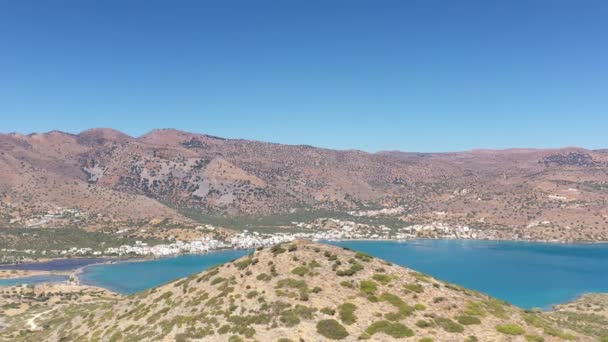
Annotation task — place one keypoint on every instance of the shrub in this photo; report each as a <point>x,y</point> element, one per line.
<point>471,339</point>
<point>363,256</point>
<point>373,299</point>
<point>439,299</point>
<point>368,287</point>
<point>414,288</point>
<point>328,311</point>
<point>347,284</point>
<point>420,307</point>
<point>393,329</point>
<point>535,338</point>
<point>243,263</point>
<point>426,339</point>
<point>263,277</point>
<point>558,333</point>
<point>403,310</point>
<point>424,324</point>
<point>277,249</point>
<point>468,320</point>
<point>474,309</point>
<point>331,329</point>
<point>354,268</point>
<point>510,329</point>
<point>497,308</point>
<point>314,264</point>
<point>217,280</point>
<point>346,312</point>
<point>382,278</point>
<point>449,325</point>
<point>300,270</point>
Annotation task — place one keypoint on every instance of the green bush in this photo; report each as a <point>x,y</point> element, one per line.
<point>420,307</point>
<point>474,309</point>
<point>277,249</point>
<point>403,310</point>
<point>393,329</point>
<point>468,320</point>
<point>243,263</point>
<point>346,312</point>
<point>414,288</point>
<point>331,329</point>
<point>382,278</point>
<point>426,339</point>
<point>354,268</point>
<point>449,325</point>
<point>368,287</point>
<point>536,338</point>
<point>347,284</point>
<point>424,324</point>
<point>510,329</point>
<point>263,277</point>
<point>363,256</point>
<point>300,270</point>
<point>328,311</point>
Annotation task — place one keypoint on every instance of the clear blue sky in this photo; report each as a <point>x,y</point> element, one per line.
<point>422,75</point>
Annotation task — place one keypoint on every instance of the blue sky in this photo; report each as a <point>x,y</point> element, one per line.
<point>424,75</point>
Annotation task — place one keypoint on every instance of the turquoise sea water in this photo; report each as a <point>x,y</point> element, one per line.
<point>526,274</point>
<point>38,279</point>
<point>131,277</point>
<point>523,273</point>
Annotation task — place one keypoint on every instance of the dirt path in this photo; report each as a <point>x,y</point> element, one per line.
<point>31,323</point>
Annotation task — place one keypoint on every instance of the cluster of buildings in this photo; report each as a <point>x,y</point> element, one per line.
<point>438,230</point>
<point>384,211</point>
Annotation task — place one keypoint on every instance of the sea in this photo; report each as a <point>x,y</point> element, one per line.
<point>527,274</point>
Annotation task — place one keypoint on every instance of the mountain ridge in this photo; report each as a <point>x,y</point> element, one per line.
<point>166,172</point>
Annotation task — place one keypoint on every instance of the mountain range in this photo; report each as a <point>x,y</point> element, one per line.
<point>111,177</point>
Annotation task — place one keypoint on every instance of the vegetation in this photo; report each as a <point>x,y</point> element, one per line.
<point>510,329</point>
<point>413,288</point>
<point>346,312</point>
<point>393,329</point>
<point>449,325</point>
<point>403,310</point>
<point>331,329</point>
<point>368,287</point>
<point>468,320</point>
<point>300,270</point>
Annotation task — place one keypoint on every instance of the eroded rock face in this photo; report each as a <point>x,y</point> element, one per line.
<point>301,290</point>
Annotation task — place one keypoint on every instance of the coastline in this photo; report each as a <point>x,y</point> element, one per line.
<point>75,275</point>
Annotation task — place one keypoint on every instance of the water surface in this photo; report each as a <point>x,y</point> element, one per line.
<point>54,265</point>
<point>37,279</point>
<point>524,273</point>
<point>131,277</point>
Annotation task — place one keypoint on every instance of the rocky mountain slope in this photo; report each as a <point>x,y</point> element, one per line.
<point>111,177</point>
<point>301,291</point>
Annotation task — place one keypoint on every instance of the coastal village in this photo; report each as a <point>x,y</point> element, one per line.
<point>325,229</point>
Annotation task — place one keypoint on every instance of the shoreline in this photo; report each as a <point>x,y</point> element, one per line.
<point>141,258</point>
<point>74,276</point>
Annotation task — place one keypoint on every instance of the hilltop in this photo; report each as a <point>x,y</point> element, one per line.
<point>105,179</point>
<point>298,291</point>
